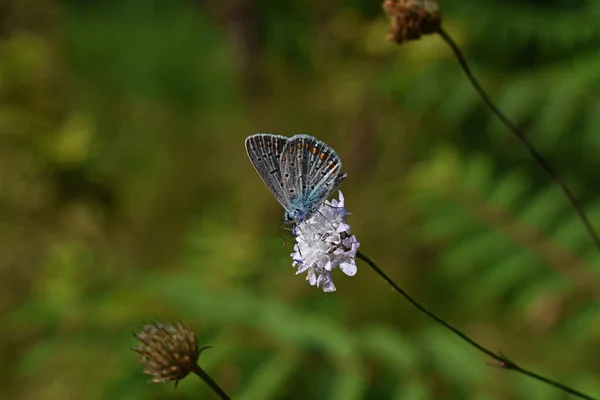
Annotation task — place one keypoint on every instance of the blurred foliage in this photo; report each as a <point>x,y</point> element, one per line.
<point>126,194</point>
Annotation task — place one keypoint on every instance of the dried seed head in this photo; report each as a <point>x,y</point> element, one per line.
<point>169,351</point>
<point>409,19</point>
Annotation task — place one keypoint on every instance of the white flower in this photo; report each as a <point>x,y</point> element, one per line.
<point>324,242</point>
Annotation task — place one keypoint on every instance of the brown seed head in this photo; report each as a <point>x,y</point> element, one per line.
<point>169,351</point>
<point>409,19</point>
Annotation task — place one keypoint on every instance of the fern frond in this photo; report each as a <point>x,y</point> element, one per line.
<point>521,229</point>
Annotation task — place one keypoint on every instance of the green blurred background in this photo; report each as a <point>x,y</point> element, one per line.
<point>126,194</point>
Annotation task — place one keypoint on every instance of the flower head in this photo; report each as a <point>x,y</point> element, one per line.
<point>409,19</point>
<point>169,351</point>
<point>324,242</point>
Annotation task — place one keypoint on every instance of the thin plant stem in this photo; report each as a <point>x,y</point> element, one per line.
<point>210,382</point>
<point>517,132</point>
<point>503,362</point>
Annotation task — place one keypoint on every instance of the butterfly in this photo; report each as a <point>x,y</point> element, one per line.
<point>300,171</point>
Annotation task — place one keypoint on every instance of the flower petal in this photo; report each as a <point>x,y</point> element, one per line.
<point>323,242</point>
<point>349,268</point>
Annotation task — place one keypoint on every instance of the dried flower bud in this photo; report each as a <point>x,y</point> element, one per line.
<point>169,351</point>
<point>409,19</point>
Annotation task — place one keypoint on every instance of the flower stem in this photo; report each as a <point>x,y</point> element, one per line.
<point>503,362</point>
<point>519,134</point>
<point>210,382</point>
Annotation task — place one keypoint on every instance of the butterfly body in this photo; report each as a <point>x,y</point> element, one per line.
<point>300,171</point>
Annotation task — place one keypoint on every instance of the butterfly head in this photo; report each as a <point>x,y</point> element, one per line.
<point>287,217</point>
<point>295,216</point>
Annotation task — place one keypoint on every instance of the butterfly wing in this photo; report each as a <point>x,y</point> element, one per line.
<point>264,151</point>
<point>310,172</point>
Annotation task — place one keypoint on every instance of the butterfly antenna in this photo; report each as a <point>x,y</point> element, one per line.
<point>293,230</point>
<point>283,227</point>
